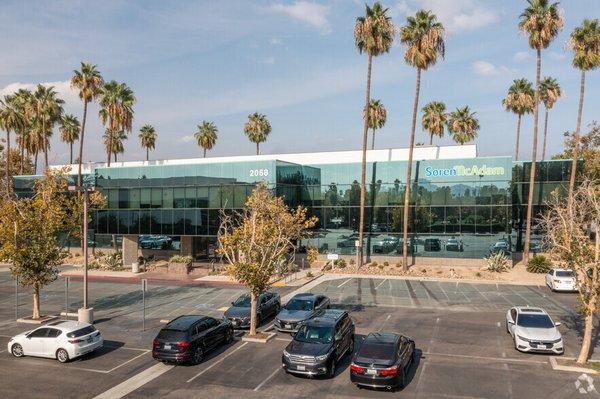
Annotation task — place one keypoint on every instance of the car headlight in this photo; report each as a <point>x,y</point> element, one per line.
<point>322,357</point>
<point>285,353</point>
<point>522,338</point>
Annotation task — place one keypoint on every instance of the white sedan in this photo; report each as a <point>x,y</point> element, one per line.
<point>61,340</point>
<point>561,280</point>
<point>533,330</point>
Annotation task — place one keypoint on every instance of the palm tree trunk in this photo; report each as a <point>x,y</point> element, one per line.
<point>115,154</point>
<point>533,157</point>
<point>71,153</point>
<point>147,154</point>
<point>409,173</point>
<point>45,144</point>
<point>257,149</point>
<point>545,134</point>
<point>22,160</point>
<point>373,140</point>
<point>363,169</point>
<point>8,182</point>
<point>431,138</point>
<point>80,160</point>
<point>518,136</point>
<point>204,153</point>
<point>576,140</point>
<point>35,163</point>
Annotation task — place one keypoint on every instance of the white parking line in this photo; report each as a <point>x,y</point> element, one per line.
<point>128,361</point>
<point>135,382</point>
<point>384,323</point>
<point>283,339</point>
<point>217,362</point>
<point>379,285</point>
<point>339,286</point>
<point>267,379</point>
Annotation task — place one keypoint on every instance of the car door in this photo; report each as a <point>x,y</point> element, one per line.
<point>213,332</point>
<point>403,354</point>
<point>51,342</point>
<point>338,340</point>
<point>34,343</point>
<point>549,276</point>
<point>511,320</point>
<point>262,305</point>
<point>199,335</point>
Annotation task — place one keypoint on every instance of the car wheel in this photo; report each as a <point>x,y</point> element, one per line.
<point>17,350</point>
<point>332,369</point>
<point>198,355</point>
<point>62,355</point>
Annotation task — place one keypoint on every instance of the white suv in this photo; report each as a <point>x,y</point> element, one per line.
<point>61,340</point>
<point>561,280</point>
<point>533,330</point>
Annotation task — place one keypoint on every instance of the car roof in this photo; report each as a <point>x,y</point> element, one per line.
<point>66,325</point>
<point>562,269</point>
<point>182,323</point>
<point>384,338</point>
<point>305,295</point>
<point>531,309</point>
<point>329,316</point>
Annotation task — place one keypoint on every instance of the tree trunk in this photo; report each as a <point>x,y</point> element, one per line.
<point>545,134</point>
<point>115,154</point>
<point>147,154</point>
<point>80,160</point>
<point>22,160</point>
<point>431,138</point>
<point>8,182</point>
<point>409,173</point>
<point>576,140</point>
<point>35,163</point>
<point>363,169</point>
<point>257,149</point>
<point>518,137</point>
<point>45,144</point>
<point>373,140</point>
<point>110,143</point>
<point>533,157</point>
<point>204,152</point>
<point>71,153</point>
<point>36,301</point>
<point>253,300</point>
<point>586,343</point>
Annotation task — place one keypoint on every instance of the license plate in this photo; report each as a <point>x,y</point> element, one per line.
<point>301,368</point>
<point>371,372</point>
<point>288,326</point>
<point>168,347</point>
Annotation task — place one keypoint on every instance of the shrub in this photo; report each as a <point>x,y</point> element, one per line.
<point>341,263</point>
<point>539,264</point>
<point>180,259</point>
<point>423,270</point>
<point>386,263</point>
<point>352,262</point>
<point>93,265</point>
<point>309,275</point>
<point>114,260</point>
<point>478,274</point>
<point>380,267</point>
<point>399,264</point>
<point>497,262</point>
<point>374,263</point>
<point>327,267</point>
<point>311,254</point>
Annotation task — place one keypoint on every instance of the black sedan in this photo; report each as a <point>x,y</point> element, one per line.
<point>268,305</point>
<point>383,361</point>
<point>300,308</point>
<point>187,339</point>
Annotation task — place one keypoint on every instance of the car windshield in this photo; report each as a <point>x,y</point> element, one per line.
<point>320,334</point>
<point>534,321</point>
<point>564,273</point>
<point>242,302</point>
<point>299,304</point>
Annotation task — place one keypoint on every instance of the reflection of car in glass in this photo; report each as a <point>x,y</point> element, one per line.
<point>433,244</point>
<point>412,247</point>
<point>336,223</point>
<point>347,243</point>
<point>454,245</point>
<point>154,242</point>
<point>535,246</point>
<point>500,247</point>
<point>385,245</point>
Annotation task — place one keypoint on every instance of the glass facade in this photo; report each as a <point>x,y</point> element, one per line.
<point>458,208</point>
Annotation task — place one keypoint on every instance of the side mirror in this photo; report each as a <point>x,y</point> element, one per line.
<point>558,323</point>
<point>511,322</point>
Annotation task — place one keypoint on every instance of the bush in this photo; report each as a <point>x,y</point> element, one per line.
<point>327,267</point>
<point>497,262</point>
<point>381,267</point>
<point>539,264</point>
<point>181,259</point>
<point>352,262</point>
<point>311,254</point>
<point>423,270</point>
<point>340,263</point>
<point>477,274</point>
<point>399,264</point>
<point>386,263</point>
<point>114,260</point>
<point>309,275</point>
<point>374,264</point>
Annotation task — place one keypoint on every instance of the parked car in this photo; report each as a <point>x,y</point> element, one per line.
<point>433,244</point>
<point>188,338</point>
<point>320,344</point>
<point>561,280</point>
<point>383,361</point>
<point>347,243</point>
<point>533,330</point>
<point>500,246</point>
<point>385,245</point>
<point>454,245</point>
<point>300,308</point>
<point>238,314</point>
<point>61,340</point>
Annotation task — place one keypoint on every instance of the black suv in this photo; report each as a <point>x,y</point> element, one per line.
<point>319,344</point>
<point>268,305</point>
<point>188,338</point>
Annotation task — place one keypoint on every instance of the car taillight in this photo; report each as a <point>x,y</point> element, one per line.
<point>183,344</point>
<point>357,369</point>
<point>75,341</point>
<point>388,371</point>
<point>155,342</point>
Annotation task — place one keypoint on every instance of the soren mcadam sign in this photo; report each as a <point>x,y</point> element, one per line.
<point>462,170</point>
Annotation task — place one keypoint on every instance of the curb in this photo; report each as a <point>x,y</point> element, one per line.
<point>574,369</point>
<point>44,320</point>
<point>137,279</point>
<point>269,337</point>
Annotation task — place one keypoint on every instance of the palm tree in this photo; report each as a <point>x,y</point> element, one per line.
<point>257,128</point>
<point>373,35</point>
<point>550,92</point>
<point>519,101</point>
<point>206,136</point>
<point>116,110</point>
<point>147,138</point>
<point>463,125</point>
<point>541,21</point>
<point>434,119</point>
<point>423,37</point>
<point>10,120</point>
<point>585,43</point>
<point>47,110</point>
<point>69,132</point>
<point>24,100</point>
<point>89,82</point>
<point>377,117</point>
<point>113,142</point>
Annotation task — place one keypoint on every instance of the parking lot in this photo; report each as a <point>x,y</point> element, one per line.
<point>463,348</point>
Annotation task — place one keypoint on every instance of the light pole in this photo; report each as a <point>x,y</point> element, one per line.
<point>85,314</point>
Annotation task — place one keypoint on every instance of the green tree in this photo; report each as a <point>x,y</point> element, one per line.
<point>377,117</point>
<point>434,119</point>
<point>588,149</point>
<point>550,92</point>
<point>116,111</point>
<point>257,128</point>
<point>114,142</point>
<point>69,132</point>
<point>47,110</point>
<point>24,100</point>
<point>585,43</point>
<point>463,125</point>
<point>15,166</point>
<point>89,82</point>
<point>255,239</point>
<point>206,136</point>
<point>147,138</point>
<point>519,100</point>
<point>423,37</point>
<point>540,21</point>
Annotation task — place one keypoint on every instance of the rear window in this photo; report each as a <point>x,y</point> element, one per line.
<point>81,332</point>
<point>171,335</point>
<point>564,273</point>
<point>377,352</point>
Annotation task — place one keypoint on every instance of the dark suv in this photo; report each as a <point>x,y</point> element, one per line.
<point>188,338</point>
<point>319,344</point>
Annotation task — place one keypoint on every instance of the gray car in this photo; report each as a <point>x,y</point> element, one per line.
<point>300,308</point>
<point>239,313</point>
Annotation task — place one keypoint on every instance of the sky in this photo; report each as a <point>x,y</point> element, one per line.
<point>294,61</point>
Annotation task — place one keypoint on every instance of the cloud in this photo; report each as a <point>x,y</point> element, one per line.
<point>485,68</point>
<point>275,41</point>
<point>63,88</point>
<point>268,60</point>
<point>312,14</point>
<point>187,139</point>
<point>557,56</point>
<point>522,56</point>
